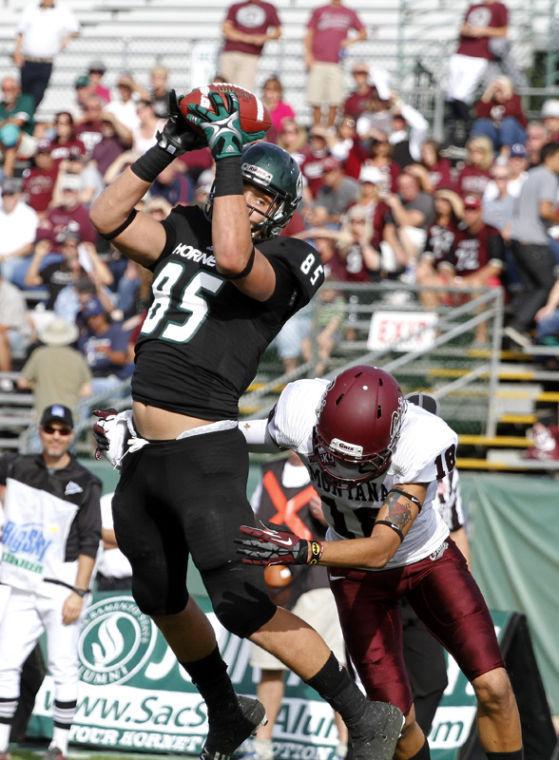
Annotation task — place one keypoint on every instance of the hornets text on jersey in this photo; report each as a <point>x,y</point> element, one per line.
<point>202,338</point>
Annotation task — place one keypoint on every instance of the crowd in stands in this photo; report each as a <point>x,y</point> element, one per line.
<point>382,200</point>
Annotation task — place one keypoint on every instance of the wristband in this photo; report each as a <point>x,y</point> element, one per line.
<point>228,177</point>
<point>80,591</point>
<point>316,553</point>
<point>151,164</point>
<point>126,223</point>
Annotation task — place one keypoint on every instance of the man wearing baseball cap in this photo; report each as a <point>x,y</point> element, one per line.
<point>48,567</point>
<point>477,258</point>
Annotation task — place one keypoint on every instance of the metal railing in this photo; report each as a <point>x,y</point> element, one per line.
<point>472,369</point>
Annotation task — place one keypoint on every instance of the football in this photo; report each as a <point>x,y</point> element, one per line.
<point>277,576</point>
<point>254,114</point>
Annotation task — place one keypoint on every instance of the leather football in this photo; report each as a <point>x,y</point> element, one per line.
<point>254,114</point>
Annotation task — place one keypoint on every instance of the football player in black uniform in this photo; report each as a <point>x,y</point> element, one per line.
<point>223,287</point>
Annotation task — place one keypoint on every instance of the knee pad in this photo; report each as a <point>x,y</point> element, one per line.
<point>239,597</point>
<point>154,601</point>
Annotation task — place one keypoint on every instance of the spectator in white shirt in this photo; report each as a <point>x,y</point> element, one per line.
<point>18,225</point>
<point>124,107</point>
<point>14,325</point>
<point>43,31</point>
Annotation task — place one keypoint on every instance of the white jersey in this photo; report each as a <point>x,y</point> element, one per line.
<point>424,453</point>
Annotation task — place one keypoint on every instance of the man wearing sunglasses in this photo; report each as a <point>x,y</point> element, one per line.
<point>50,537</point>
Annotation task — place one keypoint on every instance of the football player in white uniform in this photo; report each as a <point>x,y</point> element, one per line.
<point>376,461</point>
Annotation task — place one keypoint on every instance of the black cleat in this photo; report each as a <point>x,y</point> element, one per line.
<point>377,733</point>
<point>226,734</point>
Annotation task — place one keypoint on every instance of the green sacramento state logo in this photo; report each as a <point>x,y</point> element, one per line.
<point>115,642</point>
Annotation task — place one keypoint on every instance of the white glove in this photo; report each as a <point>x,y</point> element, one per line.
<point>115,435</point>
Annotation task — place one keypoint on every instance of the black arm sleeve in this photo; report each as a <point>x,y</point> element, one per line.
<point>6,462</point>
<point>88,520</point>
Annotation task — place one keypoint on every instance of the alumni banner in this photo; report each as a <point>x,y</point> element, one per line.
<point>133,695</point>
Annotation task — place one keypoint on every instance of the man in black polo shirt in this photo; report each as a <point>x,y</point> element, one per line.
<point>50,537</point>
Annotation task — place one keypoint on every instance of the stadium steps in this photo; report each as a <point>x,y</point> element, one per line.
<point>501,463</point>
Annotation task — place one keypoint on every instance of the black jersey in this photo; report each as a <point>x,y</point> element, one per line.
<point>202,339</point>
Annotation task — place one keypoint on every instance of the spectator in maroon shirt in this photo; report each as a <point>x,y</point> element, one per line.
<point>70,214</point>
<point>40,179</point>
<point>109,147</point>
<point>476,260</point>
<point>326,40</point>
<point>247,27</point>
<point>371,199</point>
<point>315,155</point>
<point>475,175</point>
<point>89,128</point>
<point>438,168</point>
<point>499,116</point>
<point>374,152</point>
<point>441,238</point>
<point>358,99</point>
<point>484,21</point>
<point>65,139</point>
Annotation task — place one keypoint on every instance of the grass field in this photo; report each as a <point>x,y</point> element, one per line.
<point>36,753</point>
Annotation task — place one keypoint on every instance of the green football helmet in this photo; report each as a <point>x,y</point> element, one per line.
<point>270,168</point>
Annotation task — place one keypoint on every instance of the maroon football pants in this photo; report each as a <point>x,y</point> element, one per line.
<point>445,597</point>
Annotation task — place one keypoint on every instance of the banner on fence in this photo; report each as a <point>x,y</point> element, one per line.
<point>134,696</point>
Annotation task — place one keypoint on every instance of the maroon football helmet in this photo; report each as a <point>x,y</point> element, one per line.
<point>358,425</point>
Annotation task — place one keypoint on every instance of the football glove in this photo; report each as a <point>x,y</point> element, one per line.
<point>177,137</point>
<point>115,435</point>
<point>222,125</point>
<point>264,546</point>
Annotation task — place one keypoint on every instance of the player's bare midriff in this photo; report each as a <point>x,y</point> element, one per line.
<point>157,424</point>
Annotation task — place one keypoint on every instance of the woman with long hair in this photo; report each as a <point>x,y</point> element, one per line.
<point>272,97</point>
<point>65,140</point>
<point>440,240</point>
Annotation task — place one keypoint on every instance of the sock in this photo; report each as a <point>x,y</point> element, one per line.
<point>518,754</point>
<point>423,753</point>
<point>341,750</point>
<point>60,738</point>
<point>335,686</point>
<point>4,736</point>
<point>8,707</point>
<point>63,716</point>
<point>263,749</point>
<point>209,675</point>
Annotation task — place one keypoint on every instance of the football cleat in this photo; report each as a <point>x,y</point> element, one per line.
<point>227,733</point>
<point>377,733</point>
<point>53,753</point>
